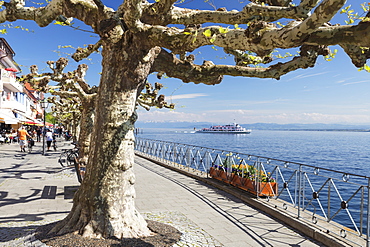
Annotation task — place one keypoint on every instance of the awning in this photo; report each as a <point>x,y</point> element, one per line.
<point>21,116</point>
<point>33,123</point>
<point>11,121</point>
<point>8,116</point>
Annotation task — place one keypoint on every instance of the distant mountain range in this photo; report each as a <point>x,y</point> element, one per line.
<point>256,126</point>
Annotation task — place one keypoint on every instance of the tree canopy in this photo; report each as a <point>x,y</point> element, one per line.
<point>250,34</point>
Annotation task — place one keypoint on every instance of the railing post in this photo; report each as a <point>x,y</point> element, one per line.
<point>299,191</point>
<point>368,214</point>
<point>258,177</point>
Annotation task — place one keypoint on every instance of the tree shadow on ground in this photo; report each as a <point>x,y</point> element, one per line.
<point>26,224</point>
<point>28,217</point>
<point>164,236</point>
<point>16,171</point>
<point>11,233</point>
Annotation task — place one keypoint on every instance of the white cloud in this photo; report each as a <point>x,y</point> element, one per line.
<point>166,115</point>
<point>355,82</point>
<point>250,116</point>
<point>186,96</point>
<point>306,76</point>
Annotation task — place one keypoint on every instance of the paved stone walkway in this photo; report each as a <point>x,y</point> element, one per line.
<point>35,190</point>
<point>223,216</point>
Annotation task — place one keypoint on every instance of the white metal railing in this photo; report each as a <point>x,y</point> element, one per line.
<point>334,200</point>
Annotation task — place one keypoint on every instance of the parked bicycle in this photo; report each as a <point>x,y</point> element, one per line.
<point>68,156</point>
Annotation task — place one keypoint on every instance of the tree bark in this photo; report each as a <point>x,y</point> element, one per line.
<point>104,205</point>
<point>86,128</point>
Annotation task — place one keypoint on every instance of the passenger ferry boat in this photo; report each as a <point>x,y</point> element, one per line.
<point>227,129</point>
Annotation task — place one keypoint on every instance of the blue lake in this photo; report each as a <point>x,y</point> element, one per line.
<point>337,150</point>
<point>343,151</point>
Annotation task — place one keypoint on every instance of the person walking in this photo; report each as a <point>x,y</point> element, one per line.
<point>22,135</point>
<point>38,133</point>
<point>49,138</point>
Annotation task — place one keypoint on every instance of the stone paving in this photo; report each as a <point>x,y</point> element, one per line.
<point>205,215</point>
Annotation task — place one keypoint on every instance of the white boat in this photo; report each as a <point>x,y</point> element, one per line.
<point>227,129</point>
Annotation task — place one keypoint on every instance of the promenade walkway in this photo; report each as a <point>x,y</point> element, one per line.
<point>35,190</point>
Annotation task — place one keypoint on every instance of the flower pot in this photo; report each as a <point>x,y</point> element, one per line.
<point>260,188</point>
<point>242,183</point>
<point>264,188</point>
<point>218,174</point>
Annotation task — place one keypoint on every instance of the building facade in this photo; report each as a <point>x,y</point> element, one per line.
<point>18,102</point>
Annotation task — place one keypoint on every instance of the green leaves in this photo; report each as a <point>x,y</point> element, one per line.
<point>353,17</point>
<point>223,30</point>
<point>11,26</point>
<point>365,67</point>
<point>207,33</point>
<point>331,55</point>
<point>60,23</point>
<point>65,46</point>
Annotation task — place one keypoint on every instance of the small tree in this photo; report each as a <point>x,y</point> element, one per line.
<point>141,37</point>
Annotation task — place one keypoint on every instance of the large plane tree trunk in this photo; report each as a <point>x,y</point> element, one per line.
<point>104,205</point>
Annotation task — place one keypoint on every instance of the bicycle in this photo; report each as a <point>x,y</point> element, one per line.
<point>68,156</point>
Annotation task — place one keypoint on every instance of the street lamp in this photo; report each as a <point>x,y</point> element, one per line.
<point>56,133</point>
<point>44,105</point>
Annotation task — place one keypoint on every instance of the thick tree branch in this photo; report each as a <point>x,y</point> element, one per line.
<point>358,55</point>
<point>358,35</point>
<point>64,94</point>
<point>251,12</point>
<point>82,53</point>
<point>212,74</point>
<point>163,6</point>
<point>322,14</point>
<point>43,16</point>
<point>150,97</point>
<point>71,83</point>
<point>133,14</point>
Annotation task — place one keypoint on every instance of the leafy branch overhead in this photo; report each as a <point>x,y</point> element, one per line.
<point>160,23</point>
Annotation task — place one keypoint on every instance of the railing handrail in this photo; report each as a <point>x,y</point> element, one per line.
<point>261,157</point>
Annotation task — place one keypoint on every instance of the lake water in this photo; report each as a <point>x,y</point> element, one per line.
<point>347,152</point>
<point>338,150</point>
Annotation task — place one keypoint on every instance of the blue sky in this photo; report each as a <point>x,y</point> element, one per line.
<point>332,92</point>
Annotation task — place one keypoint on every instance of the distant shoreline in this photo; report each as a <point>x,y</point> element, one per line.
<point>141,129</point>
<point>261,126</point>
<point>342,130</point>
